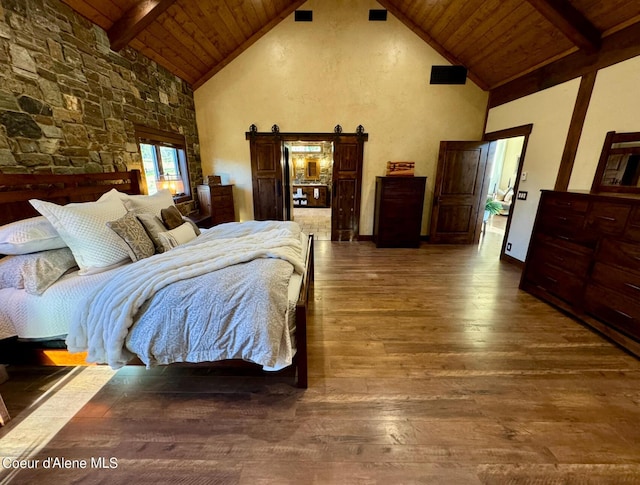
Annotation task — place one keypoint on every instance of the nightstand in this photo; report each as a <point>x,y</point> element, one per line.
<point>216,203</point>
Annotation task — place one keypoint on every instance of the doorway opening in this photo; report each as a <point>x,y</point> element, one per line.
<point>308,176</point>
<point>508,148</point>
<point>464,180</point>
<point>502,178</point>
<point>272,190</point>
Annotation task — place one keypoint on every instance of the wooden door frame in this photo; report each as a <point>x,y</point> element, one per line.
<point>334,136</point>
<point>522,130</point>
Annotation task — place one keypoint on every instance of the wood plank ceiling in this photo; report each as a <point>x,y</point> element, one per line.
<point>499,41</point>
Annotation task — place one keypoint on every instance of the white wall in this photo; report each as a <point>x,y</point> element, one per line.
<point>510,166</point>
<point>614,106</point>
<point>339,69</point>
<point>550,112</point>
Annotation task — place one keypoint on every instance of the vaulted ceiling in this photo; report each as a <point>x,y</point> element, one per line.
<point>498,41</point>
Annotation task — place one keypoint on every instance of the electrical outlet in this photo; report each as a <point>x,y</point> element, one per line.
<point>508,246</point>
<point>522,195</point>
<point>524,176</point>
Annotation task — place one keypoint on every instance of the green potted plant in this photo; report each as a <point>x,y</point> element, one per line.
<point>491,208</point>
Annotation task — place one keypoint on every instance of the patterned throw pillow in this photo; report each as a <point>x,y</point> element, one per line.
<point>154,226</point>
<point>129,228</point>
<point>35,272</point>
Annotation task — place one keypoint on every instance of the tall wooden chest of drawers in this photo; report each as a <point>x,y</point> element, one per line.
<point>217,201</point>
<point>398,211</point>
<point>584,257</point>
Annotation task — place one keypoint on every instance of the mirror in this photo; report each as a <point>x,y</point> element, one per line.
<point>619,166</point>
<point>312,169</point>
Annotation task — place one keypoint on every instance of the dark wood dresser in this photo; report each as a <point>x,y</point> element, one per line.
<point>584,257</point>
<point>398,211</point>
<point>216,201</point>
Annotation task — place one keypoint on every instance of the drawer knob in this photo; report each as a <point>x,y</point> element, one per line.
<point>606,218</point>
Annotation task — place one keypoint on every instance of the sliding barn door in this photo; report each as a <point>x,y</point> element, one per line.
<point>459,192</point>
<point>266,174</point>
<point>347,187</point>
<point>268,186</point>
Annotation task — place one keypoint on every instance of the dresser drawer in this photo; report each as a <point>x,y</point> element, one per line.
<point>613,309</point>
<point>221,190</point>
<point>633,224</point>
<point>619,253</point>
<point>221,201</point>
<point>554,253</point>
<point>555,281</point>
<point>561,243</point>
<point>624,282</point>
<point>402,188</point>
<point>607,217</point>
<point>553,202</point>
<point>567,226</point>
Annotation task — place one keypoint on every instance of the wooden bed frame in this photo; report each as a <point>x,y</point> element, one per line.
<point>15,192</point>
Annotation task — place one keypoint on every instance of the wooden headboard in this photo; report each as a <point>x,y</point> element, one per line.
<point>17,189</point>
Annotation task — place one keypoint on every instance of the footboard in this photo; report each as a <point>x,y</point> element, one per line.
<point>302,308</point>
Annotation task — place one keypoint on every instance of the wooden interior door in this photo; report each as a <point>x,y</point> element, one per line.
<point>266,174</point>
<point>347,187</point>
<point>459,192</point>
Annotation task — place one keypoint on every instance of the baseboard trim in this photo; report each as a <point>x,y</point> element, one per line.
<point>511,260</point>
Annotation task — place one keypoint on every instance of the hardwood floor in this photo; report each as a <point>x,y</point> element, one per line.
<point>426,366</point>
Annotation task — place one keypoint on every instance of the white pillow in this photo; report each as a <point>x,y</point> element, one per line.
<point>29,236</point>
<point>149,204</point>
<point>180,235</point>
<point>114,193</point>
<point>84,228</point>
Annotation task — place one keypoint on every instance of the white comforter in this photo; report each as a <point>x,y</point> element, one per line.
<point>104,320</point>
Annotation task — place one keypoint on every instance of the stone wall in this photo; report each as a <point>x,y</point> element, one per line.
<point>68,103</point>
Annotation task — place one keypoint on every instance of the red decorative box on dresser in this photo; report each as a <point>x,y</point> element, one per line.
<point>584,257</point>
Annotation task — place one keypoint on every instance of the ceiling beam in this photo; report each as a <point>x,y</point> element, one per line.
<point>617,47</point>
<point>397,13</point>
<point>135,20</point>
<point>571,22</point>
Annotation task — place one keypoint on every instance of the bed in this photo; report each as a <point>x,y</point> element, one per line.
<point>236,293</point>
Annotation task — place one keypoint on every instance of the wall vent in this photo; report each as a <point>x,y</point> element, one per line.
<point>304,15</point>
<point>448,75</point>
<point>379,15</point>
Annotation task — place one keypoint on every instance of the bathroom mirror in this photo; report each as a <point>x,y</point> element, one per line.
<point>619,166</point>
<point>312,169</point>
